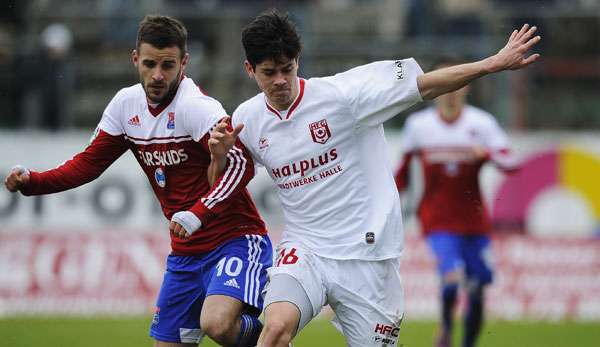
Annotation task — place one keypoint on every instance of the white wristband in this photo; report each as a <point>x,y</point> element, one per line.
<point>188,221</point>
<point>20,169</point>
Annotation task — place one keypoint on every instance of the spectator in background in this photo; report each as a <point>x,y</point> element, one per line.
<point>446,17</point>
<point>43,81</point>
<point>119,24</point>
<point>462,17</point>
<point>7,90</point>
<point>55,76</point>
<point>13,24</point>
<point>453,140</point>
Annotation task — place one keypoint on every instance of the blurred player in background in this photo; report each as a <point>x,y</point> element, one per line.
<point>453,140</point>
<point>220,250</point>
<point>321,141</point>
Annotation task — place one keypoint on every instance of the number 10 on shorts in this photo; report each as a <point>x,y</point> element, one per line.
<point>232,266</point>
<point>286,257</point>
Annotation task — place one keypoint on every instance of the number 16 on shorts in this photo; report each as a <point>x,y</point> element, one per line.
<point>287,256</point>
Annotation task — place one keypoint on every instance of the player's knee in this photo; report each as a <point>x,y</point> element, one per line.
<point>218,327</point>
<point>452,277</point>
<point>475,290</point>
<point>450,291</point>
<point>277,332</point>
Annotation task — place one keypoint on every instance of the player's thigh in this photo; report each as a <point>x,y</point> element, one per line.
<point>281,318</point>
<point>179,302</point>
<point>296,278</point>
<point>287,303</point>
<point>239,271</point>
<point>220,311</point>
<point>447,249</point>
<point>479,265</point>
<point>368,301</point>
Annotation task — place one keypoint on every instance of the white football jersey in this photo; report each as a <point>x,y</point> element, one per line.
<point>129,114</point>
<point>427,129</point>
<point>328,157</point>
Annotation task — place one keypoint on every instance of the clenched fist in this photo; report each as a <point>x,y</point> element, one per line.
<point>17,179</point>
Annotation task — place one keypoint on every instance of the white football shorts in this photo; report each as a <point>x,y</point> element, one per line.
<point>366,296</point>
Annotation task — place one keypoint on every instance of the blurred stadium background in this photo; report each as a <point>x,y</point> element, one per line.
<point>96,254</point>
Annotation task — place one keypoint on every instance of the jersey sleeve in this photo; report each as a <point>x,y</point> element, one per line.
<point>498,146</point>
<point>200,115</point>
<point>110,122</point>
<point>84,167</point>
<point>238,172</point>
<point>245,137</point>
<point>379,91</point>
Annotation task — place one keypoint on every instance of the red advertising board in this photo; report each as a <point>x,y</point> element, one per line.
<point>80,273</point>
<point>116,272</point>
<point>546,278</point>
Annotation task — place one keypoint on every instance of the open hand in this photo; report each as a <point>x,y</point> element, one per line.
<point>513,56</point>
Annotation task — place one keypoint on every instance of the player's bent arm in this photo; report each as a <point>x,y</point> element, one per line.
<point>215,168</point>
<point>233,179</point>
<point>82,168</point>
<point>513,56</point>
<point>222,139</point>
<point>403,174</point>
<point>505,160</point>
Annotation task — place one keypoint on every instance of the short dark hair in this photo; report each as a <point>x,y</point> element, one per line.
<point>162,32</point>
<point>271,35</point>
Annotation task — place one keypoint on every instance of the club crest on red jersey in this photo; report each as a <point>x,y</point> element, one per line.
<point>320,131</point>
<point>160,177</point>
<point>171,121</point>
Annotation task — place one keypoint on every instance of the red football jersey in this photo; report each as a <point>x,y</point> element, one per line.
<point>452,154</point>
<point>170,142</point>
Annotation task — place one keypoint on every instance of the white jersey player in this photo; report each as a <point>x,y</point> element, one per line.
<point>321,140</point>
<point>328,157</point>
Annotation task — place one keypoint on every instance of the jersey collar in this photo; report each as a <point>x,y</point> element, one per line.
<point>453,121</point>
<point>295,104</point>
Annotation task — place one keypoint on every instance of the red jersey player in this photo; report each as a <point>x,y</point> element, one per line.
<point>452,141</point>
<point>220,250</point>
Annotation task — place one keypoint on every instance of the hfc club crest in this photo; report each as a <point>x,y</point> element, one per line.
<point>320,131</point>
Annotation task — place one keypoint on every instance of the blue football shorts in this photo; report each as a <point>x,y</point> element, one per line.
<point>237,269</point>
<point>470,254</point>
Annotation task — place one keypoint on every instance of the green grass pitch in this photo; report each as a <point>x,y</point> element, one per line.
<point>133,331</point>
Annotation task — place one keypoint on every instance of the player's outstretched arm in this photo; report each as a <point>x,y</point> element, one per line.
<point>512,56</point>
<point>17,179</point>
<point>81,169</point>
